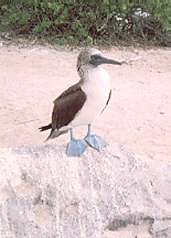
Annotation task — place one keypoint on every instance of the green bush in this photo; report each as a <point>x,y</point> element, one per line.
<point>88,22</point>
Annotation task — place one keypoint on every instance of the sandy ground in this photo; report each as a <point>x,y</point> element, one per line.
<point>139,114</point>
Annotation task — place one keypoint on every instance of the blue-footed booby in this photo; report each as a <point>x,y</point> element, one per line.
<point>81,103</point>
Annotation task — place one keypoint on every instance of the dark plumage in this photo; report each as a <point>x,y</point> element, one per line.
<point>44,128</point>
<point>66,106</point>
<point>110,94</point>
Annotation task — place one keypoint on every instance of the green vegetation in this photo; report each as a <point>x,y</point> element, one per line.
<point>88,22</point>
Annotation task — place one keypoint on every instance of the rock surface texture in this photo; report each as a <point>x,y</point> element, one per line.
<point>113,194</point>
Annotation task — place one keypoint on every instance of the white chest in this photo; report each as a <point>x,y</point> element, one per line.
<point>97,88</point>
<point>97,85</point>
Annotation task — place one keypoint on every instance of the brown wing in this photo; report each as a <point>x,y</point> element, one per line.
<point>71,89</point>
<point>67,105</point>
<point>110,93</point>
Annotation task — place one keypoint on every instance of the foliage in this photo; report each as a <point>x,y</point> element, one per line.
<point>88,21</point>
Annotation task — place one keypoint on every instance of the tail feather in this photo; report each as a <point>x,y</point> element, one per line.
<point>44,128</point>
<point>55,133</point>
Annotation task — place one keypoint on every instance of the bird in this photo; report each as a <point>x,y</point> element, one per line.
<point>83,102</point>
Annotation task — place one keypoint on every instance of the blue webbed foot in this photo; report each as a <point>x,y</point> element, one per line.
<point>76,147</point>
<point>95,142</point>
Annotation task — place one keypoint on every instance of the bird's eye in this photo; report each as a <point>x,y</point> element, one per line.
<point>95,60</point>
<point>95,57</point>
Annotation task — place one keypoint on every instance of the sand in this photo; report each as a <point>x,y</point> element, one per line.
<point>139,114</point>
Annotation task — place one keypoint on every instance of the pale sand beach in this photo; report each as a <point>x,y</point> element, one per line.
<point>139,113</point>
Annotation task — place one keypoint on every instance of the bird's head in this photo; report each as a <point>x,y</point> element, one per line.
<point>93,58</point>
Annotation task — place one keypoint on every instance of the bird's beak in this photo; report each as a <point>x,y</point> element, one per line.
<point>99,59</point>
<point>104,60</point>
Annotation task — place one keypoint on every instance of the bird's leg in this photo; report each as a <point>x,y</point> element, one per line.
<point>94,141</point>
<point>75,147</point>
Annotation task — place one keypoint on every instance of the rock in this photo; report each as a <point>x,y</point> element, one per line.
<point>115,193</point>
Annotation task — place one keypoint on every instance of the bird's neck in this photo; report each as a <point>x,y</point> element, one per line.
<point>88,73</point>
